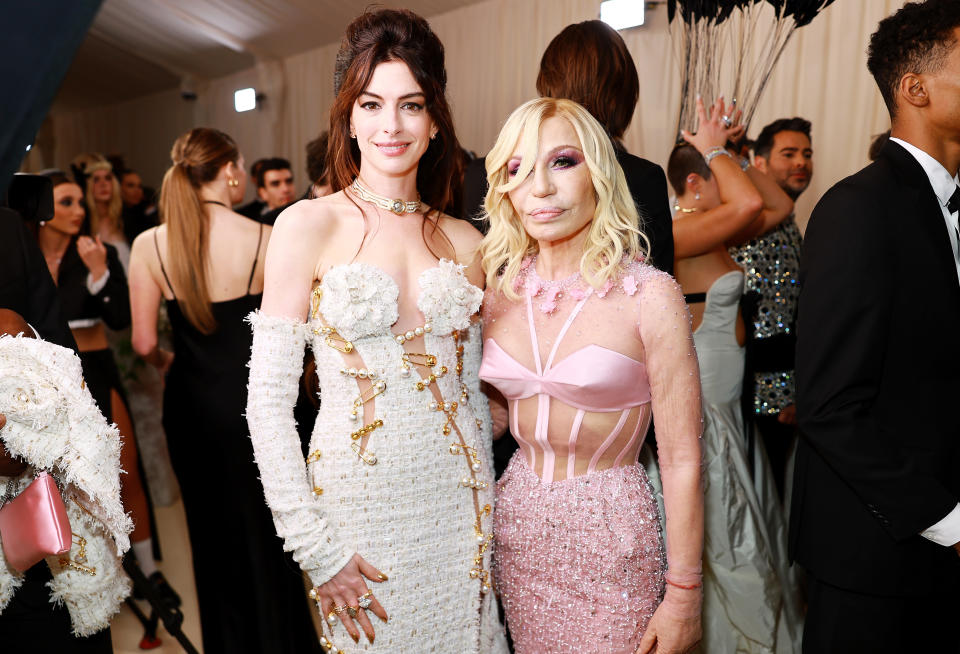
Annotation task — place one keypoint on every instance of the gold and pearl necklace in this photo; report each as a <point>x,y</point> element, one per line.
<point>398,207</point>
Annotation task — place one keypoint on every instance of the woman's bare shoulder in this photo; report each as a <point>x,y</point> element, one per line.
<point>313,219</point>
<point>147,242</point>
<point>464,236</point>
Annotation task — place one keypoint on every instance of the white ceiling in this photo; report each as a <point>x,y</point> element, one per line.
<point>137,47</point>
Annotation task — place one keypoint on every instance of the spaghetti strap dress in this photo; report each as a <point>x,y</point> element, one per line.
<point>250,592</point>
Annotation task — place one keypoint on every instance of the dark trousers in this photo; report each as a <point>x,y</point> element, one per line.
<point>846,622</point>
<point>30,623</point>
<point>777,439</point>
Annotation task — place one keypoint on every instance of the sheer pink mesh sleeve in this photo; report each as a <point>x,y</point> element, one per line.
<point>675,394</point>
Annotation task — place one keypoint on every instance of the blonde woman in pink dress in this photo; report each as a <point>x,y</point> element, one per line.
<point>583,344</point>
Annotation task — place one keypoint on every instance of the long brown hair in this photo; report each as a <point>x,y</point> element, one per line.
<point>395,35</point>
<point>589,63</point>
<point>197,158</point>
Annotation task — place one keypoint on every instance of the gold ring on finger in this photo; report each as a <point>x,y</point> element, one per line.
<point>339,609</point>
<point>352,611</point>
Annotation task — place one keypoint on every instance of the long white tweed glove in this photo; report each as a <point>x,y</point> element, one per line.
<point>276,363</point>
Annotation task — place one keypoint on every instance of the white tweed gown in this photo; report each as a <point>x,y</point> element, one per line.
<point>413,513</point>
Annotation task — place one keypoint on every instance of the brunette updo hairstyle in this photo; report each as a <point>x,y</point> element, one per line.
<point>589,63</point>
<point>197,158</point>
<point>57,177</point>
<point>395,35</point>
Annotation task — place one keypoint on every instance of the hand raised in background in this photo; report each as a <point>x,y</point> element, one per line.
<point>93,253</point>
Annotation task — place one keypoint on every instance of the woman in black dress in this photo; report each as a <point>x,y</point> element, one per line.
<point>207,263</point>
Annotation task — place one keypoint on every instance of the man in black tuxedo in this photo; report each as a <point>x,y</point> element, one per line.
<point>875,517</point>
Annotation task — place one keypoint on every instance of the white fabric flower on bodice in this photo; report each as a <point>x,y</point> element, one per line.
<point>359,300</point>
<point>447,298</point>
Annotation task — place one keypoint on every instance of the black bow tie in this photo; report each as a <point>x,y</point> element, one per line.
<point>953,205</point>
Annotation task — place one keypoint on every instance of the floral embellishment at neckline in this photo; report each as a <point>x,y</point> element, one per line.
<point>359,300</point>
<point>447,298</point>
<point>552,291</point>
<point>533,287</point>
<point>603,290</point>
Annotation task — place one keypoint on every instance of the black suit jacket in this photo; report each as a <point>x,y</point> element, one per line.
<point>111,303</point>
<point>25,283</point>
<point>878,377</point>
<point>648,186</point>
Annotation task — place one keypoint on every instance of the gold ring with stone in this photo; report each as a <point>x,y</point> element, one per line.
<point>339,609</point>
<point>332,618</point>
<point>352,611</point>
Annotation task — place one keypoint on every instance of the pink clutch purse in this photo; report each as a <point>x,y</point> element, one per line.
<point>34,525</point>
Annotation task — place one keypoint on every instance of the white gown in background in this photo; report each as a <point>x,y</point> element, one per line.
<point>750,596</point>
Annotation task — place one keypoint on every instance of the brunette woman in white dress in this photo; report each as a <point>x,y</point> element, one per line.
<point>390,515</point>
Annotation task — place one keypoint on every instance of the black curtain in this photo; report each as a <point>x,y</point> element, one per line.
<point>38,39</point>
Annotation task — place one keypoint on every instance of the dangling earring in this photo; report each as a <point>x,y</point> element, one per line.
<point>234,183</point>
<point>696,196</point>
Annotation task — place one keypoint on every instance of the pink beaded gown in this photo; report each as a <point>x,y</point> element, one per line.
<point>580,559</point>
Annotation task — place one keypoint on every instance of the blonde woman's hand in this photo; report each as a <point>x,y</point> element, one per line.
<point>716,128</point>
<point>675,626</point>
<point>344,591</point>
<point>93,253</point>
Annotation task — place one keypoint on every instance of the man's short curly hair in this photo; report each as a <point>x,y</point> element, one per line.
<point>916,39</point>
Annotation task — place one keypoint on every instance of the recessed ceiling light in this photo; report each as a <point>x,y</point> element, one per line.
<point>245,99</point>
<point>622,14</point>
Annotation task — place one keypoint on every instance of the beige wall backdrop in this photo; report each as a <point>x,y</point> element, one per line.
<point>493,50</point>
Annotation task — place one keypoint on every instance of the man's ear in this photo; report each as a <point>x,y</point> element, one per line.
<point>760,163</point>
<point>262,193</point>
<point>912,90</point>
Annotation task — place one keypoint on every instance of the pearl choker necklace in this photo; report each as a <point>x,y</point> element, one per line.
<point>398,207</point>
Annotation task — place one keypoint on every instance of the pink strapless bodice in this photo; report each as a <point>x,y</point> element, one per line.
<point>593,378</point>
<point>590,379</point>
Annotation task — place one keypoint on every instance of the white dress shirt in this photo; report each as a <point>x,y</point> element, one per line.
<point>946,531</point>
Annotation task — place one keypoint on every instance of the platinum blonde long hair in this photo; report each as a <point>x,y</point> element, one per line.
<point>114,206</point>
<point>614,233</point>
